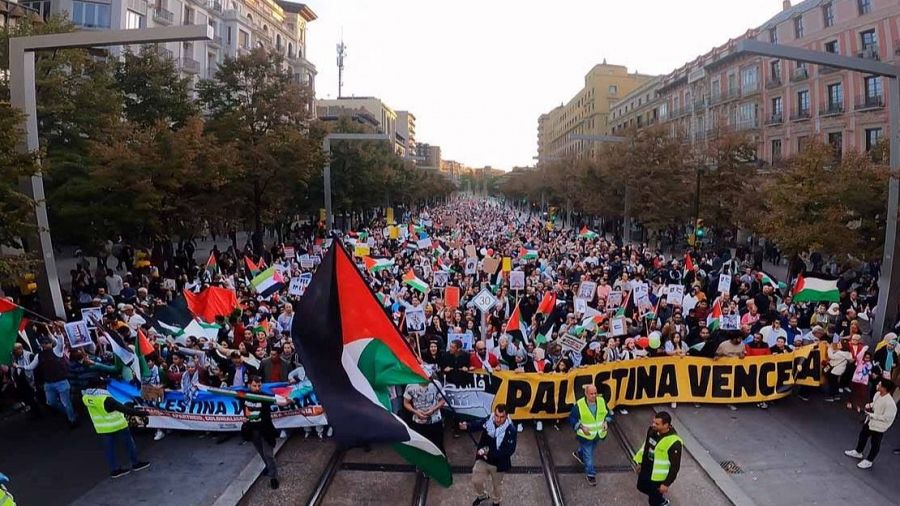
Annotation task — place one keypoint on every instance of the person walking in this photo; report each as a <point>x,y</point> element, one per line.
<point>259,428</point>
<point>880,415</point>
<point>494,455</point>
<point>51,369</point>
<point>659,459</point>
<point>108,418</point>
<point>588,418</point>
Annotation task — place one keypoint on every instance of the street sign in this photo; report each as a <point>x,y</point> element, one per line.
<point>485,300</point>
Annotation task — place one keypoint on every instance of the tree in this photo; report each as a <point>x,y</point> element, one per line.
<point>819,203</point>
<point>152,90</point>
<point>16,208</point>
<point>256,106</point>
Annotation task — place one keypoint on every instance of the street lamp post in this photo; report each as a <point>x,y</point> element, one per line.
<point>326,147</point>
<point>23,97</point>
<point>889,282</point>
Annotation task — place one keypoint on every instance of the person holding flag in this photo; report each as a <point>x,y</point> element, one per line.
<point>493,456</point>
<point>258,427</point>
<point>108,418</point>
<point>50,368</point>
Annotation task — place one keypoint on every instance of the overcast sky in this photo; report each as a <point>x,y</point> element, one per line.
<point>477,74</point>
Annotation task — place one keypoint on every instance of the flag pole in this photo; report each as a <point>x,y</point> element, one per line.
<point>23,308</point>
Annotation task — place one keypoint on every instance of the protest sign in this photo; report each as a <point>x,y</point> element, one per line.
<point>465,337</point>
<point>640,291</point>
<point>586,290</point>
<point>415,320</point>
<point>288,252</point>
<point>89,314</point>
<point>507,264</point>
<point>451,297</point>
<point>517,280</point>
<point>490,265</point>
<point>298,285</point>
<point>674,294</point>
<point>361,250</point>
<point>306,262</point>
<point>440,279</point>
<point>471,267</point>
<point>731,322</point>
<point>471,252</point>
<point>571,343</point>
<point>614,300</point>
<point>169,284</point>
<point>580,305</point>
<point>78,334</point>
<point>724,283</point>
<point>617,326</point>
<point>393,232</point>
<point>424,243</point>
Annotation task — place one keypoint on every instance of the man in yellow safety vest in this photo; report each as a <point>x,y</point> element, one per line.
<point>659,459</point>
<point>108,417</point>
<point>588,418</point>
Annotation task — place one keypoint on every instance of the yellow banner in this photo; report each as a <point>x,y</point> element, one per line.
<point>361,250</point>
<point>507,264</point>
<point>661,381</point>
<point>389,215</point>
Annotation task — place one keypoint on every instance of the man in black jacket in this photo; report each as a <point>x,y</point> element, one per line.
<point>494,454</point>
<point>659,460</point>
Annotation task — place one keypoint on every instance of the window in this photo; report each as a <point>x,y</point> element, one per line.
<point>613,89</point>
<point>90,14</point>
<point>803,102</point>
<point>802,142</point>
<point>869,40</point>
<point>188,16</point>
<point>828,15</point>
<point>832,47</point>
<point>835,97</point>
<point>873,135</point>
<point>228,36</point>
<point>776,149</point>
<point>865,6</point>
<point>775,70</point>
<point>42,7</point>
<point>798,27</point>
<point>244,39</point>
<point>773,36</point>
<point>777,108</point>
<point>749,79</point>
<point>747,115</point>
<point>874,90</point>
<point>836,141</point>
<point>134,20</point>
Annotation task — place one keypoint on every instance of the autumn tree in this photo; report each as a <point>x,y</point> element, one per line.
<point>152,90</point>
<point>16,208</point>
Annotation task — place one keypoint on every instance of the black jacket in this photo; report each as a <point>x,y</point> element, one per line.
<point>500,457</point>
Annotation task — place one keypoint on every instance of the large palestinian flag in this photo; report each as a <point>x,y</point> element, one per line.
<point>816,289</point>
<point>353,354</point>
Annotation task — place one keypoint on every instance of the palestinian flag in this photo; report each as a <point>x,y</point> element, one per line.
<point>11,317</point>
<point>528,254</point>
<point>414,282</point>
<point>443,265</point>
<point>714,319</point>
<point>268,282</point>
<point>586,233</point>
<point>374,265</point>
<point>171,318</point>
<point>212,265</point>
<point>122,351</point>
<point>544,334</point>
<point>252,267</point>
<point>411,246</point>
<point>354,354</point>
<point>548,304</point>
<point>765,279</point>
<point>516,325</point>
<point>688,263</point>
<point>816,289</point>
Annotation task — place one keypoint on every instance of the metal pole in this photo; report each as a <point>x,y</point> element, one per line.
<point>889,281</point>
<point>22,97</point>
<point>329,218</point>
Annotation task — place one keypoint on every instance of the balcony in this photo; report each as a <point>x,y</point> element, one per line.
<point>825,69</point>
<point>747,124</point>
<point>215,41</point>
<point>775,119</point>
<point>799,74</point>
<point>773,82</point>
<point>164,53</point>
<point>701,103</point>
<point>834,109</point>
<point>869,103</point>
<point>750,89</point>
<point>163,16</point>
<point>214,5</point>
<point>801,115</point>
<point>869,53</point>
<point>189,65</point>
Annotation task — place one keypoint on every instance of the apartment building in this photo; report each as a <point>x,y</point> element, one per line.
<point>428,156</point>
<point>12,13</point>
<point>383,117</point>
<point>238,27</point>
<point>586,113</point>
<point>782,105</point>
<point>406,131</point>
<point>638,109</point>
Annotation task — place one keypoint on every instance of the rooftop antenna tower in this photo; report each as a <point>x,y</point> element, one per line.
<point>341,53</point>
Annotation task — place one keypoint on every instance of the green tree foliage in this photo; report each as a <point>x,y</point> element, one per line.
<point>152,91</point>
<point>256,106</point>
<point>16,208</point>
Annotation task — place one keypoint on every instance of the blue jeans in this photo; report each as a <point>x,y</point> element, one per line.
<point>109,447</point>
<point>586,450</point>
<point>58,397</point>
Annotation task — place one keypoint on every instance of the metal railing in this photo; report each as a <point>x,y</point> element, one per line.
<point>747,124</point>
<point>163,16</point>
<point>799,74</point>
<point>164,53</point>
<point>750,89</point>
<point>869,103</point>
<point>801,115</point>
<point>775,119</point>
<point>773,82</point>
<point>832,109</point>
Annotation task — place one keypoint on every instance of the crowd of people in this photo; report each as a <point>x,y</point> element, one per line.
<point>465,239</point>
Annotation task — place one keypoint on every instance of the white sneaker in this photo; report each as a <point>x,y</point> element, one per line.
<point>520,428</point>
<point>763,405</point>
<point>159,435</point>
<point>864,464</point>
<point>282,435</point>
<point>623,411</point>
<point>674,405</point>
<point>732,407</point>
<point>539,426</point>
<point>330,432</point>
<point>855,454</point>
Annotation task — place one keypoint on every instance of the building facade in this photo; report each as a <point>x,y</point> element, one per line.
<point>782,105</point>
<point>428,156</point>
<point>384,117</point>
<point>406,131</point>
<point>638,109</point>
<point>238,27</point>
<point>12,13</point>
<point>586,113</point>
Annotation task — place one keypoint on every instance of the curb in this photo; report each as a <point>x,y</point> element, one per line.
<point>712,468</point>
<point>242,483</point>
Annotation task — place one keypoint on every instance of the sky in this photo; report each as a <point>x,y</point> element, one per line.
<point>477,74</point>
